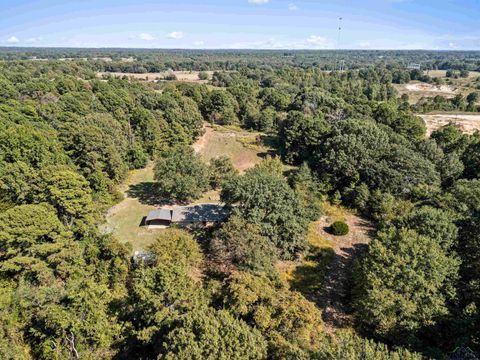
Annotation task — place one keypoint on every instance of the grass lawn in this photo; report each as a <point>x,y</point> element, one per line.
<point>307,274</point>
<point>124,218</point>
<point>239,145</point>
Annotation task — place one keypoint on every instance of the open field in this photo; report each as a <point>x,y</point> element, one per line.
<point>239,145</point>
<point>469,123</point>
<point>185,76</point>
<point>443,74</point>
<point>124,219</point>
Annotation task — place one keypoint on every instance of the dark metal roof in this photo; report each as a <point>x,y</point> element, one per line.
<point>190,214</point>
<point>200,213</point>
<point>159,214</point>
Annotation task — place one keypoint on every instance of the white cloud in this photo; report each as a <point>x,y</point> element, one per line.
<point>13,40</point>
<point>452,45</point>
<point>33,40</point>
<point>364,45</point>
<point>199,43</point>
<point>292,7</point>
<point>312,42</point>
<point>147,37</point>
<point>258,2</point>
<point>175,35</point>
<point>316,40</point>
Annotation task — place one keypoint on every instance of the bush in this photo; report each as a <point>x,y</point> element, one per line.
<point>203,75</point>
<point>339,228</point>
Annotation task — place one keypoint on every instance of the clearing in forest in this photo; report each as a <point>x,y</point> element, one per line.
<point>184,76</point>
<point>468,123</point>
<point>124,219</point>
<point>322,275</point>
<point>418,90</point>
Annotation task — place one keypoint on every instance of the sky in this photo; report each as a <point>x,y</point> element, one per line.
<point>243,24</point>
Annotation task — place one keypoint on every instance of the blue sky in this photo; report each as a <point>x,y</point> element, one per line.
<point>254,24</point>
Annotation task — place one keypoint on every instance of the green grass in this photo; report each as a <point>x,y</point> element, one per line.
<point>307,276</point>
<point>124,218</point>
<point>240,146</point>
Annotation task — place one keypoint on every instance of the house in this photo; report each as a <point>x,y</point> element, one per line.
<point>203,214</point>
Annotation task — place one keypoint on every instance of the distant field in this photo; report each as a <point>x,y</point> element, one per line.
<point>185,76</point>
<point>469,123</point>
<point>443,74</point>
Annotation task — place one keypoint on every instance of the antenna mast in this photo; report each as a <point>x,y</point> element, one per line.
<point>338,45</point>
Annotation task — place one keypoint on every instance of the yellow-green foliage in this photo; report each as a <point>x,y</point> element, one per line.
<point>307,277</point>
<point>281,315</point>
<point>176,246</point>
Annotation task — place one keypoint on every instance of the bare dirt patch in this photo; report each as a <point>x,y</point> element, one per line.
<point>448,89</point>
<point>417,90</point>
<point>468,123</point>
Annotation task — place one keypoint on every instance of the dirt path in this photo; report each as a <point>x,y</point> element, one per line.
<point>332,295</point>
<point>199,145</point>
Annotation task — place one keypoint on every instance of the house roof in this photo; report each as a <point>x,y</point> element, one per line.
<point>159,214</point>
<point>190,214</point>
<point>199,213</point>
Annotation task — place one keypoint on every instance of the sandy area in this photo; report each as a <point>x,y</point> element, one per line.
<point>468,123</point>
<point>430,88</point>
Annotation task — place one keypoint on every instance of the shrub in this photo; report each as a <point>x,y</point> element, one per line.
<point>203,75</point>
<point>339,228</point>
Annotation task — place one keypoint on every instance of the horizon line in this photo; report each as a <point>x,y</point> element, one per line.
<point>226,49</point>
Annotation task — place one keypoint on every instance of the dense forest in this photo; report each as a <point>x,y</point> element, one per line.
<point>69,138</point>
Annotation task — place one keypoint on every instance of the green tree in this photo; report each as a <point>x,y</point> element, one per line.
<point>180,174</point>
<point>435,223</point>
<point>210,334</point>
<point>203,75</point>
<point>221,169</point>
<point>38,243</point>
<point>290,323</point>
<point>175,246</point>
<point>265,199</point>
<point>220,107</point>
<point>403,285</point>
<point>308,190</point>
<point>299,135</point>
<point>68,192</point>
<point>472,99</point>
<point>240,245</point>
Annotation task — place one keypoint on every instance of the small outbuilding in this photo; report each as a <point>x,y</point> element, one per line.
<point>159,218</point>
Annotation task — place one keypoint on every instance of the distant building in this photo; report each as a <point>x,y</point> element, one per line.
<point>413,66</point>
<point>185,215</point>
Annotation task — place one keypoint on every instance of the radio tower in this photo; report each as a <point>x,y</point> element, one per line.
<point>340,63</point>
